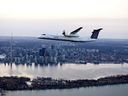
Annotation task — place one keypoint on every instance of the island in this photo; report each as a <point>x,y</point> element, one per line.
<point>25,83</point>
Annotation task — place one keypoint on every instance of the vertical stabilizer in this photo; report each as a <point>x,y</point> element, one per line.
<point>95,33</point>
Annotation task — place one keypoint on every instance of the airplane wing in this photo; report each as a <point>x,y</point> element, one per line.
<point>77,30</point>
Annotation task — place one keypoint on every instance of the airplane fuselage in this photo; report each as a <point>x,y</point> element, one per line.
<point>72,37</point>
<point>65,38</point>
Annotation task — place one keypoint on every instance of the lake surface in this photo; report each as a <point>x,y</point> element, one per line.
<point>115,90</point>
<point>68,71</point>
<point>65,71</point>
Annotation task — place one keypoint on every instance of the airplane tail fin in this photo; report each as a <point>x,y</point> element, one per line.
<point>95,33</point>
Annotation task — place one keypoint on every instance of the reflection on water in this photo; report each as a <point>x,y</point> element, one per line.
<point>65,71</point>
<point>115,90</point>
<point>2,93</point>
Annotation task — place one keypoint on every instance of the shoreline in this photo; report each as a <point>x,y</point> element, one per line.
<point>41,83</point>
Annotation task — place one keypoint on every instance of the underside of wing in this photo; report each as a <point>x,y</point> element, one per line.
<point>77,30</point>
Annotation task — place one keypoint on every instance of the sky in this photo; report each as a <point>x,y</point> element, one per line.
<point>33,17</point>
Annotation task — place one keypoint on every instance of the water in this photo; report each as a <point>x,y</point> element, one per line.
<point>65,71</point>
<point>115,90</point>
<point>68,71</point>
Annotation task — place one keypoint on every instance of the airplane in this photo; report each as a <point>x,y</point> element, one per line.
<point>73,33</point>
<point>72,37</point>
